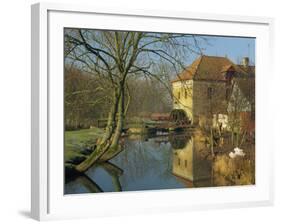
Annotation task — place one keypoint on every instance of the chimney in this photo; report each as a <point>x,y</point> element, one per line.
<point>245,61</point>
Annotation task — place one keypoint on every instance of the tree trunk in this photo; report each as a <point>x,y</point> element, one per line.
<point>115,147</point>
<point>212,142</point>
<point>237,137</point>
<point>120,121</point>
<point>111,121</point>
<point>232,136</point>
<point>243,138</point>
<point>111,138</point>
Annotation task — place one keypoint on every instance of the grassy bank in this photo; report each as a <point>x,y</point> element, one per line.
<point>76,141</point>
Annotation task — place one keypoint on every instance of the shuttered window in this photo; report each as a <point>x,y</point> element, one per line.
<point>210,92</point>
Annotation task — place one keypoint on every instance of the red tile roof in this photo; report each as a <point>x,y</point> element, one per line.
<point>211,68</point>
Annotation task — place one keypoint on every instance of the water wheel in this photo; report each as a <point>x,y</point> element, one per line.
<point>179,117</point>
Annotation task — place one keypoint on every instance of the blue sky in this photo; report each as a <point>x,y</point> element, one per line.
<point>235,48</point>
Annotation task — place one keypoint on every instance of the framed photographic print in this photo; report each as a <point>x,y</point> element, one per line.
<point>148,111</point>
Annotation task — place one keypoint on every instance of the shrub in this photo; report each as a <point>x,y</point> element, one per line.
<point>238,170</point>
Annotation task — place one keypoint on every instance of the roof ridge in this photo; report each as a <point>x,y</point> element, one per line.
<point>214,56</point>
<point>237,67</point>
<point>199,63</point>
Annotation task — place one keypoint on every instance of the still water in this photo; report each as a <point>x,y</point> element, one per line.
<point>146,163</point>
<point>165,162</point>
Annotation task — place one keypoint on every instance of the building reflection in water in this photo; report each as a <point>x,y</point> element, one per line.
<point>190,163</point>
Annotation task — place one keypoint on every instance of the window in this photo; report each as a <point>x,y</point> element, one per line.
<point>210,92</point>
<point>185,163</point>
<point>185,94</point>
<point>179,95</point>
<point>179,161</point>
<point>227,93</point>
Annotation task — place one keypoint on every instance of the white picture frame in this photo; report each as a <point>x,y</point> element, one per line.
<point>48,200</point>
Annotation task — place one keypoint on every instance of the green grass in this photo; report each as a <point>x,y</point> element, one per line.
<point>75,141</point>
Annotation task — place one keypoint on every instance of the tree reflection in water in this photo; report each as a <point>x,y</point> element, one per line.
<point>86,184</point>
<point>166,162</point>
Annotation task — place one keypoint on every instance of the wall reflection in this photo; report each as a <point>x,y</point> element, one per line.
<point>190,163</point>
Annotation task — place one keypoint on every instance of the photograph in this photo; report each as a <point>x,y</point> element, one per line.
<point>154,111</point>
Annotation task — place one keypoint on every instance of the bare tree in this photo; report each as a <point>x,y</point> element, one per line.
<point>115,56</point>
<point>240,101</point>
<point>84,99</point>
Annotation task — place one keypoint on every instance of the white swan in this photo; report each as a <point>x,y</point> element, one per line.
<point>237,152</point>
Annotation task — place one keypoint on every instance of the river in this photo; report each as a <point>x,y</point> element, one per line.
<point>152,163</point>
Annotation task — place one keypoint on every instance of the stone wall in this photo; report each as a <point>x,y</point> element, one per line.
<point>183,97</point>
<point>209,98</point>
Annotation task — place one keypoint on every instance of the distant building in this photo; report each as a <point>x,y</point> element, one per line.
<point>205,90</point>
<point>160,116</point>
<point>241,106</point>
